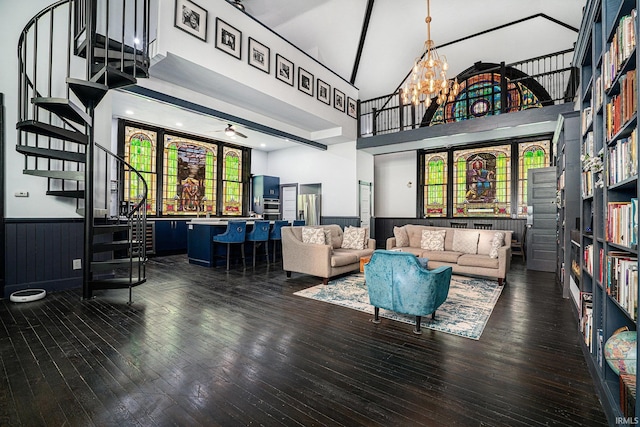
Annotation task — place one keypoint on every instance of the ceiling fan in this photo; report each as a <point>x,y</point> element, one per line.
<point>231,131</point>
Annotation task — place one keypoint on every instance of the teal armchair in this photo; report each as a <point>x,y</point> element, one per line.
<point>398,282</point>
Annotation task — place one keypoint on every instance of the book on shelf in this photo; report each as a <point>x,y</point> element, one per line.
<point>621,223</point>
<point>622,107</point>
<point>587,118</point>
<point>623,159</point>
<point>587,260</point>
<point>620,48</point>
<point>621,280</point>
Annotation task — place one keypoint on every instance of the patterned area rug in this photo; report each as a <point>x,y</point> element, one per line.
<point>465,312</point>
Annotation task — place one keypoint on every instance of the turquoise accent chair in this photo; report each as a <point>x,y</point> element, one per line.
<point>259,234</point>
<point>398,282</point>
<point>235,234</point>
<point>276,234</point>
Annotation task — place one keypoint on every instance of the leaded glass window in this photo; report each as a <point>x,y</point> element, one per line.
<point>482,182</point>
<point>189,176</point>
<point>140,152</point>
<point>481,95</point>
<point>435,185</point>
<point>532,155</point>
<point>232,181</point>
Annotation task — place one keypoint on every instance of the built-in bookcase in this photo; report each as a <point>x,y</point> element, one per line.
<point>606,54</point>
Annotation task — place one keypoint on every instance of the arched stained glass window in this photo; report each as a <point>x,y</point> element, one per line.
<point>232,181</point>
<point>481,94</point>
<point>482,182</point>
<point>189,176</point>
<point>532,155</point>
<point>140,153</point>
<point>435,188</point>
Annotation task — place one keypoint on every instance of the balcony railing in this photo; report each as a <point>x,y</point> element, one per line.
<point>553,72</point>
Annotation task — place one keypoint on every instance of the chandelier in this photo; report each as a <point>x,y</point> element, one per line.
<point>428,78</point>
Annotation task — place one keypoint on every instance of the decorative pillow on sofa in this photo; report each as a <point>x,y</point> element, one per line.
<point>465,241</point>
<point>402,238</point>
<point>496,243</point>
<point>313,235</point>
<point>353,238</point>
<point>433,240</point>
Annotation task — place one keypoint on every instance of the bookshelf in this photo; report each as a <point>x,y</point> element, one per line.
<point>566,140</point>
<point>607,238</point>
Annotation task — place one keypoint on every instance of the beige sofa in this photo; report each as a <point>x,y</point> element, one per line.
<point>462,262</point>
<point>323,261</point>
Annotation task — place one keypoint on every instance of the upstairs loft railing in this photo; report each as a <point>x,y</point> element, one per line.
<point>553,73</point>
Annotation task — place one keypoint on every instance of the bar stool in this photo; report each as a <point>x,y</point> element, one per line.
<point>276,234</point>
<point>235,234</point>
<point>298,222</point>
<point>259,233</point>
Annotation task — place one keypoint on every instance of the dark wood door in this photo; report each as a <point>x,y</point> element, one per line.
<point>541,219</point>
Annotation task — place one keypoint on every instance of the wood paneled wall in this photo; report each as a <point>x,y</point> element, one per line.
<point>383,228</point>
<point>40,254</point>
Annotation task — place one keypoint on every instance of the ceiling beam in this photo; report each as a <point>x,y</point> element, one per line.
<point>363,36</point>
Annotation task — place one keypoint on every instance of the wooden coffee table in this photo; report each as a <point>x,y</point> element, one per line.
<point>363,261</point>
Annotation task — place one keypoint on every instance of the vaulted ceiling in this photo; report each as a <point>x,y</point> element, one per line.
<point>377,61</point>
<point>465,32</point>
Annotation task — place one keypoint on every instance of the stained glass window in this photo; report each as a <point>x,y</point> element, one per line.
<point>140,152</point>
<point>481,95</point>
<point>435,185</point>
<point>482,182</point>
<point>532,155</point>
<point>189,176</point>
<point>232,181</point>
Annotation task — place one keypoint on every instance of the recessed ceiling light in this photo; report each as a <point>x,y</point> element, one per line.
<point>263,145</point>
<point>129,112</point>
<point>178,124</point>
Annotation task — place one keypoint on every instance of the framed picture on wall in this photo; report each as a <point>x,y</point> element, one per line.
<point>191,18</point>
<point>305,81</point>
<point>324,92</point>
<point>284,69</point>
<point>259,56</point>
<point>338,99</point>
<point>228,39</point>
<point>352,107</point>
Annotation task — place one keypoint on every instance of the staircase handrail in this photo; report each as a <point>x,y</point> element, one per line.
<point>143,200</point>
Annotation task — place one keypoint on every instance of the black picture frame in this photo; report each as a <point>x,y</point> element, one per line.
<point>323,91</point>
<point>259,56</point>
<point>352,107</point>
<point>191,18</point>
<point>305,81</point>
<point>338,100</point>
<point>228,39</point>
<point>284,69</point>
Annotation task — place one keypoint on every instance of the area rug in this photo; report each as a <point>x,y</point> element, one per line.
<point>465,312</point>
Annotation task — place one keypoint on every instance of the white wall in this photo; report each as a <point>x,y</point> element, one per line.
<point>259,162</point>
<point>335,169</point>
<point>16,14</point>
<point>393,196</point>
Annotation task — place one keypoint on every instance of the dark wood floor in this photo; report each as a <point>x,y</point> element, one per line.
<point>200,346</point>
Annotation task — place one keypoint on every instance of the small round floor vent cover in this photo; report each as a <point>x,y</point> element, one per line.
<point>27,295</point>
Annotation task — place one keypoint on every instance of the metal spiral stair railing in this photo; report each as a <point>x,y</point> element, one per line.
<point>65,69</point>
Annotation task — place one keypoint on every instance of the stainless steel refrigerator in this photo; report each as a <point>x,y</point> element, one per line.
<point>309,208</point>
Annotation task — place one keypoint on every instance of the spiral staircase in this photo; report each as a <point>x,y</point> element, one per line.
<point>69,56</point>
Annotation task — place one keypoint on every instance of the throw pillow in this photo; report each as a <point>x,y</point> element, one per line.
<point>465,241</point>
<point>402,238</point>
<point>313,235</point>
<point>433,240</point>
<point>365,236</point>
<point>496,243</point>
<point>353,238</point>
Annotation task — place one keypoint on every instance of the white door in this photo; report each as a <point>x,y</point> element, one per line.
<point>365,204</point>
<point>289,201</point>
